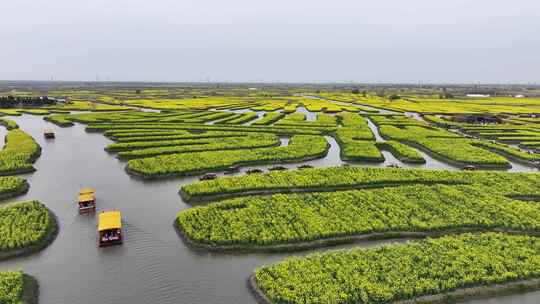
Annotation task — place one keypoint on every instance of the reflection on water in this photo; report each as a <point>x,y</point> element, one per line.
<point>153,265</point>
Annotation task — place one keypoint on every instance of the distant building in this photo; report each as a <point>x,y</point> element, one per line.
<point>519,96</point>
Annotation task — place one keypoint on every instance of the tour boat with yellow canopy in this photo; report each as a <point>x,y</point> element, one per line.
<point>87,200</point>
<point>110,228</point>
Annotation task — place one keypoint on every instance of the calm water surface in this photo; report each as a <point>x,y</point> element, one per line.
<point>153,265</point>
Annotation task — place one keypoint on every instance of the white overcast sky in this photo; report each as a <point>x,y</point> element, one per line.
<point>290,41</point>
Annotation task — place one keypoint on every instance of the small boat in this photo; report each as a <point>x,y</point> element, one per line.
<point>48,134</point>
<point>470,168</point>
<point>277,168</point>
<point>110,228</point>
<point>86,200</point>
<point>305,167</point>
<point>254,171</point>
<point>208,176</point>
<point>393,166</point>
<point>233,169</point>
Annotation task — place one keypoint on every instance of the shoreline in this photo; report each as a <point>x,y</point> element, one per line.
<point>458,295</point>
<point>38,246</point>
<point>442,158</point>
<point>30,294</point>
<point>205,198</point>
<point>222,168</point>
<point>336,240</point>
<point>452,162</point>
<point>126,158</point>
<point>17,192</point>
<point>404,159</point>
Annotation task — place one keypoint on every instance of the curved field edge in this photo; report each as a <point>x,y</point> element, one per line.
<point>221,168</point>
<point>200,199</point>
<point>52,233</point>
<point>18,186</point>
<point>307,220</point>
<point>443,158</point>
<point>30,290</point>
<point>462,294</point>
<point>17,287</point>
<point>347,178</point>
<point>190,163</point>
<point>19,153</point>
<point>334,241</point>
<point>443,270</point>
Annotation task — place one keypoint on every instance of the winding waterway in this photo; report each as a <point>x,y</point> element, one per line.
<point>153,265</point>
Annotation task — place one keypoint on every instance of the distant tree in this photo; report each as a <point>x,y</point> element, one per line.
<point>138,91</point>
<point>393,97</point>
<point>355,91</point>
<point>364,93</point>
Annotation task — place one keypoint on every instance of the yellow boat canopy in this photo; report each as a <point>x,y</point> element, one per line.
<point>87,191</point>
<point>110,220</point>
<point>86,197</point>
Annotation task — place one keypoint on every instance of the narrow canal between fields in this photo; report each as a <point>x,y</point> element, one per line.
<point>153,265</point>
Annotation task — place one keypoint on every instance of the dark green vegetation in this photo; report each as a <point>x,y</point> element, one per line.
<point>12,186</point>
<point>19,152</point>
<point>26,227</point>
<point>402,272</point>
<point>18,288</point>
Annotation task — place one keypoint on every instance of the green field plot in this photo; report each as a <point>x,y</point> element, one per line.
<point>147,136</point>
<point>12,186</point>
<point>145,149</point>
<point>18,288</point>
<point>448,145</point>
<point>296,219</point>
<point>240,118</point>
<point>26,227</point>
<point>300,147</point>
<point>299,119</point>
<point>433,267</point>
<point>356,139</point>
<point>402,152</point>
<point>443,106</point>
<point>19,153</point>
<point>269,118</point>
<point>346,178</point>
<point>8,123</point>
<point>102,127</point>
